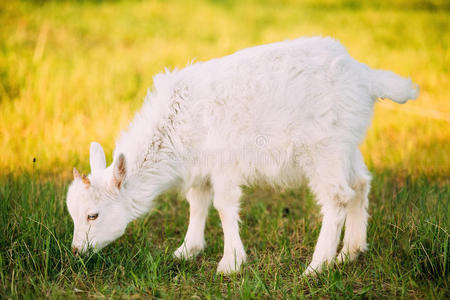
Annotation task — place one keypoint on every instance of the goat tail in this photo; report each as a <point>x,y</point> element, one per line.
<point>386,84</point>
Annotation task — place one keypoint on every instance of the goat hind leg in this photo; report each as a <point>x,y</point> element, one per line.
<point>333,193</point>
<point>326,246</point>
<point>356,221</point>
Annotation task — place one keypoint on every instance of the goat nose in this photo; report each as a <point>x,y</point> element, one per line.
<point>75,251</point>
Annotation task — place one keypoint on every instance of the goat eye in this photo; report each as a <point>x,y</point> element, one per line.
<point>92,217</point>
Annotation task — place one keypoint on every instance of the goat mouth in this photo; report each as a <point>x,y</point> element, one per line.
<point>84,250</point>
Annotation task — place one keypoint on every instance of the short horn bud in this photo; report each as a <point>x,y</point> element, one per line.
<point>86,181</point>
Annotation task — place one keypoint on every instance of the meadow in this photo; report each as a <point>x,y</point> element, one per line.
<point>72,72</point>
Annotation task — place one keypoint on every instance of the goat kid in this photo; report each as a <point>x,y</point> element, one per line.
<point>286,114</point>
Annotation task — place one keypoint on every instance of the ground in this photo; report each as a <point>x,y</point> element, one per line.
<point>72,72</point>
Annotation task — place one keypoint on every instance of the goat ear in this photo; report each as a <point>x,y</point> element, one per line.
<point>97,157</point>
<point>86,181</point>
<point>76,174</point>
<point>119,171</point>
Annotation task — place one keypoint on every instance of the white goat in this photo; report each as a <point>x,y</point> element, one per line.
<point>285,114</point>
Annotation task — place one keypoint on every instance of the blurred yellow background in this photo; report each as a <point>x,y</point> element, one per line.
<point>72,72</point>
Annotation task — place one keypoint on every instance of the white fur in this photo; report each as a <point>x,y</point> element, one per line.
<point>285,114</point>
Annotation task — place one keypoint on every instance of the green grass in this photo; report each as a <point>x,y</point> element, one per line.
<point>72,72</point>
<point>407,257</point>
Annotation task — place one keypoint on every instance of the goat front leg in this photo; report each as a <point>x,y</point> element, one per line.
<point>199,199</point>
<point>226,201</point>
